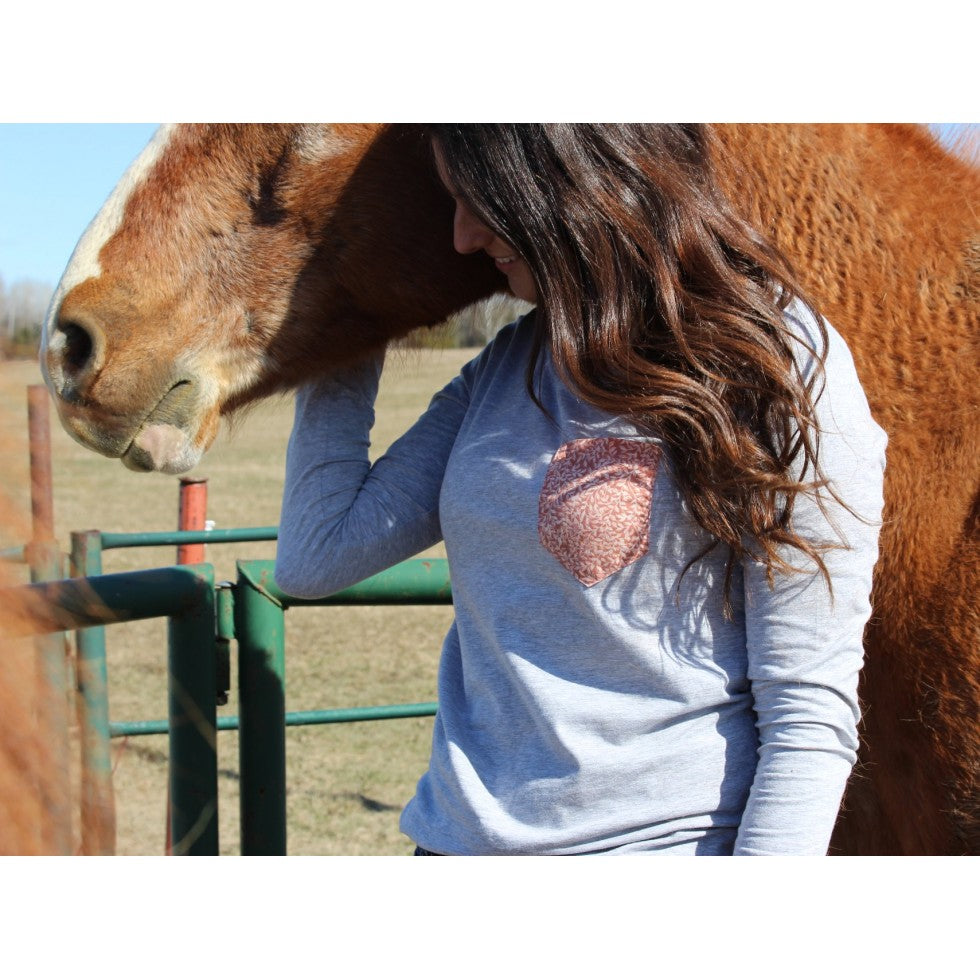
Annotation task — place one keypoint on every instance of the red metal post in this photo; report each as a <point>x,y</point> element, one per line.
<point>52,650</point>
<point>191,517</point>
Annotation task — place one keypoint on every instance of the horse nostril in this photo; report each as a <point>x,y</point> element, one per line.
<point>77,347</point>
<point>73,351</point>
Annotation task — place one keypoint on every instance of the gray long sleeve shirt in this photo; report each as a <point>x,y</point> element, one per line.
<point>591,699</point>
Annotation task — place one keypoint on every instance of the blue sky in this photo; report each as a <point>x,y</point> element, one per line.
<point>53,179</point>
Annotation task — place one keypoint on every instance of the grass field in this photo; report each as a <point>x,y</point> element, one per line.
<point>346,783</point>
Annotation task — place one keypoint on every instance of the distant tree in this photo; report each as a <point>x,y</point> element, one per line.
<point>473,326</point>
<point>22,310</point>
<point>478,324</point>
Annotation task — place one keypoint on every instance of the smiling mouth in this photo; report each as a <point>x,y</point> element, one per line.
<point>503,260</point>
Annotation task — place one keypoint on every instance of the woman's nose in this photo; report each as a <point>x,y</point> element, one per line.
<point>470,234</point>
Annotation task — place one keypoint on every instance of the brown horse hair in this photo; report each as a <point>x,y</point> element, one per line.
<point>659,304</point>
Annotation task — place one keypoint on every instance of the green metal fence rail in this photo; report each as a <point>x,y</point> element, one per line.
<point>142,539</point>
<point>204,618</point>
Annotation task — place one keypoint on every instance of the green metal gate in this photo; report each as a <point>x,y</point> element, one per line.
<point>203,620</point>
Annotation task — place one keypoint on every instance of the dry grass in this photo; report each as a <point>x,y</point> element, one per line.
<point>346,783</point>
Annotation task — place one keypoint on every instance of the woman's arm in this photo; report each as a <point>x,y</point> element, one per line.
<point>342,518</point>
<point>805,646</point>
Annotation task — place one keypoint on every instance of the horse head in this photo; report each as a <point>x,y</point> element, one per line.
<point>233,261</point>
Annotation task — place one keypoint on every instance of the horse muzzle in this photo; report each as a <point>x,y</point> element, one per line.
<point>169,439</point>
<point>130,421</point>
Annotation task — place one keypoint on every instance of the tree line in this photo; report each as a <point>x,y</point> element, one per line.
<point>473,326</point>
<point>23,305</point>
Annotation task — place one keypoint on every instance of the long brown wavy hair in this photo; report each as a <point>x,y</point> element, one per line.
<point>661,305</point>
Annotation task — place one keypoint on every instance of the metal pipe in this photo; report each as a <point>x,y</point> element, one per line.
<point>327,716</point>
<point>45,562</point>
<point>333,716</point>
<point>419,581</point>
<point>48,607</point>
<point>150,539</point>
<point>193,784</point>
<point>191,515</point>
<point>260,628</point>
<point>98,809</point>
<point>224,634</point>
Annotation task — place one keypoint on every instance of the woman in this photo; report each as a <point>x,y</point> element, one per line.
<point>659,493</point>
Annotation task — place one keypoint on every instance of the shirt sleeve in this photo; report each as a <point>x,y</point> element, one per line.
<point>343,519</point>
<point>805,645</point>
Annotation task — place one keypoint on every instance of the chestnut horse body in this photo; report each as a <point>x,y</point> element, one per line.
<point>236,261</point>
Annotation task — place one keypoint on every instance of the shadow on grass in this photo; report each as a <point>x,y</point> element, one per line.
<point>374,806</point>
<point>155,756</point>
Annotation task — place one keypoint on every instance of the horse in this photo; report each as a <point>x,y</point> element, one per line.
<point>236,261</point>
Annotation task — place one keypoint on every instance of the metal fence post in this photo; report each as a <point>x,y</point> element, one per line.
<point>98,808</point>
<point>191,516</point>
<point>193,722</point>
<point>45,561</point>
<point>260,628</point>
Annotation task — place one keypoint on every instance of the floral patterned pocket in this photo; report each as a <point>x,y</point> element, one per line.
<point>594,507</point>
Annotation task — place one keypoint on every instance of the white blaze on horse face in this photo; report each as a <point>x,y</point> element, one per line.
<point>84,261</point>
